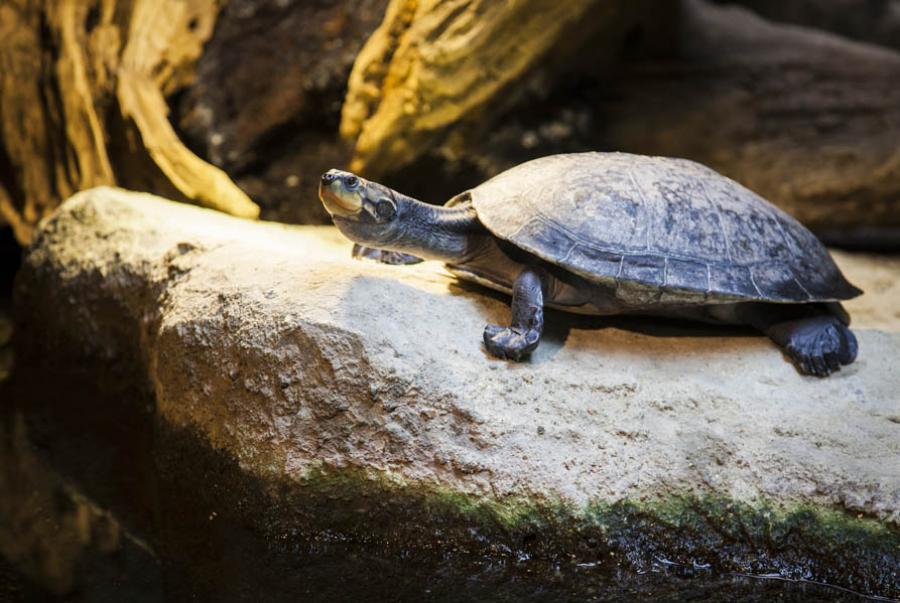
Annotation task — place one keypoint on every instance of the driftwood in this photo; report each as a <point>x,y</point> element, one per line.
<point>448,92</point>
<point>82,87</point>
<point>266,100</point>
<point>433,63</point>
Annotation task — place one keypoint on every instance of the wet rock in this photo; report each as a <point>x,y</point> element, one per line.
<point>874,21</point>
<point>310,399</point>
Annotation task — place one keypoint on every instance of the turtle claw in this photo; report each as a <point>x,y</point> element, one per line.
<point>383,256</point>
<point>819,345</point>
<point>511,343</point>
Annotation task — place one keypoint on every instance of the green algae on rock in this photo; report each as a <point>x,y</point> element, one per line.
<point>794,541</point>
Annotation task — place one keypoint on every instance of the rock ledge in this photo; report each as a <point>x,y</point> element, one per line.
<point>362,392</point>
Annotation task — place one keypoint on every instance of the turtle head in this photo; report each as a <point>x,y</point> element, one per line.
<point>364,211</point>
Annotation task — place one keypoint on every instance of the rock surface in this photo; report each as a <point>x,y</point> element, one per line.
<point>267,346</point>
<point>877,22</point>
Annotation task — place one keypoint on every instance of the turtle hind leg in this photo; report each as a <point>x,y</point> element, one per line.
<point>521,337</point>
<point>816,337</point>
<point>383,256</point>
<point>818,345</point>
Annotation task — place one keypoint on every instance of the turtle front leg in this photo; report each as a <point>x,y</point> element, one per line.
<point>383,256</point>
<point>522,336</point>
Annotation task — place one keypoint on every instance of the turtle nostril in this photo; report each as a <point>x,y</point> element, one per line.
<point>328,177</point>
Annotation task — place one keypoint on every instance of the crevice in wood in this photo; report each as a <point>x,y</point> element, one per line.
<point>72,70</point>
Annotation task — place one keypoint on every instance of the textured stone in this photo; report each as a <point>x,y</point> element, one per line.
<point>267,346</point>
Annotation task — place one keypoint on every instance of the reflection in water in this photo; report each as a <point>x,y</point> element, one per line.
<point>53,539</point>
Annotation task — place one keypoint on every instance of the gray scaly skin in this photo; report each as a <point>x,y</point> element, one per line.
<point>393,228</point>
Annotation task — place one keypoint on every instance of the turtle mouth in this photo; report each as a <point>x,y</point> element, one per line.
<point>341,203</point>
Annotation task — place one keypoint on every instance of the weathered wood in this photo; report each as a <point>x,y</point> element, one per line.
<point>433,63</point>
<point>73,73</point>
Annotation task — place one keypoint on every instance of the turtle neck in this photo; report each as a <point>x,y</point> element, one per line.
<point>447,234</point>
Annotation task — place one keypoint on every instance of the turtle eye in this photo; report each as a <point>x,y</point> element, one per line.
<point>351,182</point>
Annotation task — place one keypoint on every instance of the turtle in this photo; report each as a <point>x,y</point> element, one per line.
<point>615,233</point>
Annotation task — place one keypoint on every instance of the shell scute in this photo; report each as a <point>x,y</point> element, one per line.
<point>681,274</point>
<point>584,259</point>
<point>645,269</point>
<point>731,277</point>
<point>777,281</point>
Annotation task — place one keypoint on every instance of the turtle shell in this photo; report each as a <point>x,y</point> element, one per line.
<point>659,229</point>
